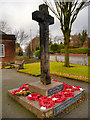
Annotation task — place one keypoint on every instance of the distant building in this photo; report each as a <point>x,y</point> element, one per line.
<point>34,43</point>
<point>7,47</point>
<point>58,40</point>
<point>74,41</point>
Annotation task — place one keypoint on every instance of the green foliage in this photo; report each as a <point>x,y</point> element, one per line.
<point>73,46</point>
<point>37,48</point>
<point>62,51</point>
<point>61,46</point>
<point>20,53</point>
<point>37,53</point>
<point>58,68</point>
<point>82,37</point>
<point>17,45</point>
<point>51,52</point>
<point>50,42</point>
<point>76,51</point>
<point>54,47</point>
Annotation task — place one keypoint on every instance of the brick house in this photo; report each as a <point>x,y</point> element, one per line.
<point>74,41</point>
<point>34,43</point>
<point>7,47</point>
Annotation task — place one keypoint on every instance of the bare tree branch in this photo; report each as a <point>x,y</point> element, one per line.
<point>4,27</point>
<point>66,12</point>
<point>21,36</point>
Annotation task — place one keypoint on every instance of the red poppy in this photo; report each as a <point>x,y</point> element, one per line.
<point>46,102</point>
<point>58,97</point>
<point>33,96</point>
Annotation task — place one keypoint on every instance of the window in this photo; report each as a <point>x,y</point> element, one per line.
<point>2,50</point>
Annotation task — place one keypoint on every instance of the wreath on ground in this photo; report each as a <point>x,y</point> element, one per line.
<point>46,102</point>
<point>24,90</point>
<point>33,96</point>
<point>59,97</point>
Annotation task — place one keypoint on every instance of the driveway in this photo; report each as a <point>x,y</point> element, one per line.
<point>11,109</point>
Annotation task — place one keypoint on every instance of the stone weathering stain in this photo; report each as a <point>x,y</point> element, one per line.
<point>42,16</point>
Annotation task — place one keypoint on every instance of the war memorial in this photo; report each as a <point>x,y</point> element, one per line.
<point>46,98</point>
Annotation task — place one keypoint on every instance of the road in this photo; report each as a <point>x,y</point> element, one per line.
<point>11,109</point>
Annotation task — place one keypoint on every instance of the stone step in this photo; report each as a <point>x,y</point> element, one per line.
<point>33,106</point>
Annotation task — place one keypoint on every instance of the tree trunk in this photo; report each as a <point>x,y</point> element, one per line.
<point>66,56</point>
<point>66,45</point>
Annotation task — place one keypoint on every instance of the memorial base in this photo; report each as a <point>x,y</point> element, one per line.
<point>34,107</point>
<point>46,90</point>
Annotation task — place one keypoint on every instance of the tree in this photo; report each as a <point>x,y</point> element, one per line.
<point>66,12</point>
<point>4,27</point>
<point>19,50</point>
<point>37,53</point>
<point>82,37</point>
<point>28,50</point>
<point>17,45</point>
<point>21,36</point>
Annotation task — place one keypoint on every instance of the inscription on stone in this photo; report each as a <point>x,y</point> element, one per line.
<point>54,90</point>
<point>58,109</point>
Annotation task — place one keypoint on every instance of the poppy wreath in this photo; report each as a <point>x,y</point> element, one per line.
<point>68,88</point>
<point>76,87</point>
<point>46,102</point>
<point>17,92</point>
<point>59,97</point>
<point>25,87</point>
<point>54,80</point>
<point>68,94</point>
<point>25,93</point>
<point>33,96</point>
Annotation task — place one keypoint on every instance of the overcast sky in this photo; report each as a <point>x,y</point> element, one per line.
<point>18,14</point>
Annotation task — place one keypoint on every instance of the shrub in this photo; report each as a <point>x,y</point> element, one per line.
<point>73,46</point>
<point>62,51</point>
<point>37,53</point>
<point>76,51</point>
<point>83,50</point>
<point>61,46</point>
<point>37,48</point>
<point>19,51</point>
<point>51,52</point>
<point>54,47</point>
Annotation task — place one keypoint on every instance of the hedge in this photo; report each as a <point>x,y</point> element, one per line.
<point>76,51</point>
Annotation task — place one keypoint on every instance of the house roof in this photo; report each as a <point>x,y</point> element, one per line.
<point>5,36</point>
<point>1,32</point>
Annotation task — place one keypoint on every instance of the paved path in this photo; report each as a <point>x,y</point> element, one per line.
<point>11,109</point>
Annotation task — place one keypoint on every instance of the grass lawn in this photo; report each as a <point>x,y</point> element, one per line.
<point>57,68</point>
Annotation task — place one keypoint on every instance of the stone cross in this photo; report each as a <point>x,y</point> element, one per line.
<point>44,19</point>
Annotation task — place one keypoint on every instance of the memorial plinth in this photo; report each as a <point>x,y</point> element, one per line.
<point>33,106</point>
<point>46,90</point>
